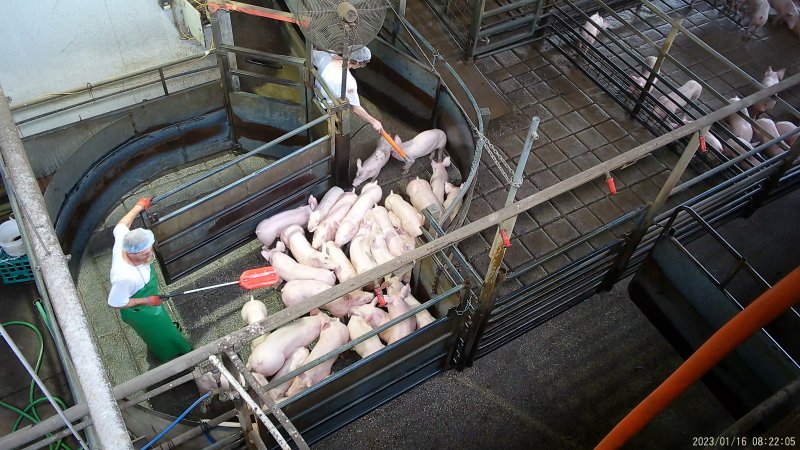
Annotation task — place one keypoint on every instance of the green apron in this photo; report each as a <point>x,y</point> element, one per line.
<point>153,324</point>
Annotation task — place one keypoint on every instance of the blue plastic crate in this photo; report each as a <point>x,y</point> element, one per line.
<point>15,270</point>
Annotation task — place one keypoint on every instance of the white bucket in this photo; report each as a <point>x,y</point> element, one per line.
<point>10,239</point>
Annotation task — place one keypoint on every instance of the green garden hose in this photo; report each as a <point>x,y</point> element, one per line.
<point>29,412</point>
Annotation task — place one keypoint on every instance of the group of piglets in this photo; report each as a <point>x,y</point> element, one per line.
<point>745,136</point>
<point>421,145</point>
<point>351,234</point>
<point>758,12</point>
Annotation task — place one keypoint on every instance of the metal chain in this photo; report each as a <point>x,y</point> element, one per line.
<point>494,152</point>
<point>498,157</point>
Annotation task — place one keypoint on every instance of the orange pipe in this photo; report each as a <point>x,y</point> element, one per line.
<point>394,144</point>
<point>762,311</point>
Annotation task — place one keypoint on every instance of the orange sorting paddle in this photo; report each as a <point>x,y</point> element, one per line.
<point>394,144</point>
<point>249,279</point>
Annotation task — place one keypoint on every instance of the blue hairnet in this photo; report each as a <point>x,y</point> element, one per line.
<point>361,55</point>
<point>138,240</point>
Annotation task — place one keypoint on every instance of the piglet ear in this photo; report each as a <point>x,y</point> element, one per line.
<point>397,139</point>
<point>446,161</point>
<point>781,73</point>
<point>358,163</point>
<point>312,202</point>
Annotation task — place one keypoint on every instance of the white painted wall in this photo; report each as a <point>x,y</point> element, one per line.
<point>52,46</point>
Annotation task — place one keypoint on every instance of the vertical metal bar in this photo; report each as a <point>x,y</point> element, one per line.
<point>224,71</point>
<point>474,29</point>
<point>774,180</point>
<point>646,219</point>
<point>61,288</point>
<point>495,275</point>
<point>163,81</point>
<point>662,55</point>
<point>341,160</point>
<point>265,397</point>
<point>250,402</point>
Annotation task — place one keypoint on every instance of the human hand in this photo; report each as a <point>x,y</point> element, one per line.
<point>377,126</point>
<point>153,300</point>
<point>144,202</point>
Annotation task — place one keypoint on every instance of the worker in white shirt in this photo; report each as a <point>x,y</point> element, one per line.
<point>134,288</point>
<point>329,66</point>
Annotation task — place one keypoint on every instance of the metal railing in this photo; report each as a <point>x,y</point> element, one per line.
<point>90,88</point>
<point>556,303</point>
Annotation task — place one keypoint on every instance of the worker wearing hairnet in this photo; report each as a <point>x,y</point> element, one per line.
<point>134,288</point>
<point>329,66</point>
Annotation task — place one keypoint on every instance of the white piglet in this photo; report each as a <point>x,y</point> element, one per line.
<point>292,363</point>
<point>421,145</point>
<point>358,327</point>
<point>294,238</point>
<point>590,30</point>
<point>410,219</point>
<point>252,312</point>
<point>269,229</point>
<point>771,77</point>
<point>421,194</point>
<point>288,269</point>
<point>271,354</point>
<point>333,334</point>
<point>326,230</point>
<point>371,168</point>
<point>328,200</point>
<point>439,177</point>
<point>370,196</point>
<point>739,126</point>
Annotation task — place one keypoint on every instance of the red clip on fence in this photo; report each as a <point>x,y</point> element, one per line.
<point>506,240</point>
<point>379,294</point>
<point>611,186</point>
<point>702,144</point>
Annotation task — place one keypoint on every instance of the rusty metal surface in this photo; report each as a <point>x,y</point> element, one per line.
<point>125,167</point>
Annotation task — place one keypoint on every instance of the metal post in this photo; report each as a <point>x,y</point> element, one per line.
<point>774,179</point>
<point>265,397</point>
<point>494,274</point>
<point>163,81</point>
<point>474,29</point>
<point>636,235</point>
<point>58,280</point>
<point>250,402</point>
<point>224,71</point>
<point>662,55</point>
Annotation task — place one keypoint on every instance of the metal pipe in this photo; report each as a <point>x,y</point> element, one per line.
<point>40,384</point>
<point>136,73</point>
<point>758,314</point>
<point>744,426</point>
<point>237,160</point>
<point>196,431</point>
<point>228,442</point>
<point>248,177</point>
<point>263,394</point>
<point>635,237</point>
<point>665,47</point>
<point>250,402</point>
<point>112,94</point>
<point>708,174</point>
<point>58,280</point>
<point>288,314</point>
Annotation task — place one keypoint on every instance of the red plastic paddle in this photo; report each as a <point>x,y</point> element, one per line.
<point>249,279</point>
